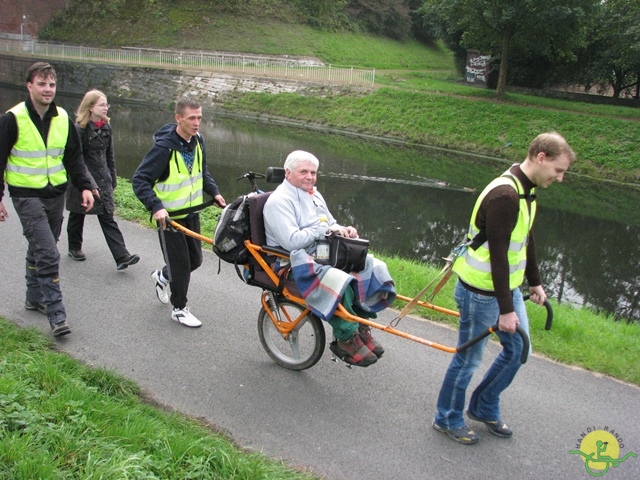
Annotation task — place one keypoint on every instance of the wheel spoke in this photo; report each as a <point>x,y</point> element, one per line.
<point>302,347</point>
<point>293,343</point>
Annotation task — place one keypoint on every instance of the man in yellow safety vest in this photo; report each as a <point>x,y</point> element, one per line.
<point>500,256</point>
<point>40,152</point>
<point>170,182</point>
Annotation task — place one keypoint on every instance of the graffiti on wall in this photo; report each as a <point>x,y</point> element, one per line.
<point>477,69</point>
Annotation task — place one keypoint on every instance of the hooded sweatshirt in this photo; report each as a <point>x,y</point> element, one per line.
<point>155,166</point>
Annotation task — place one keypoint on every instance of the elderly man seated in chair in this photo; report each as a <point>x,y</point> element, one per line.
<point>296,216</point>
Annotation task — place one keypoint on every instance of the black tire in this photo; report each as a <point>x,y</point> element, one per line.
<point>305,344</point>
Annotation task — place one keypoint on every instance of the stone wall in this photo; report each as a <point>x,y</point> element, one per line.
<point>154,85</point>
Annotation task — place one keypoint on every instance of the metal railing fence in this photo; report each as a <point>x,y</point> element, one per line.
<point>203,61</point>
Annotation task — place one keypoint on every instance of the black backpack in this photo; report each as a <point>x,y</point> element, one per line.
<point>231,232</point>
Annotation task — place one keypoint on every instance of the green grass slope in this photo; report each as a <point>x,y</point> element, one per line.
<point>423,101</point>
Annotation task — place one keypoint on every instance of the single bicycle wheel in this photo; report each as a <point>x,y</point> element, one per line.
<point>302,347</point>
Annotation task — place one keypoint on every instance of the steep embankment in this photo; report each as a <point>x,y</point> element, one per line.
<point>423,105</point>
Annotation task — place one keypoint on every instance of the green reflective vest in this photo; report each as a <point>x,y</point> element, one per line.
<point>31,163</point>
<point>474,266</point>
<point>181,189</point>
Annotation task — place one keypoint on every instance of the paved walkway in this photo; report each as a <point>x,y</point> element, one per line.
<point>371,423</point>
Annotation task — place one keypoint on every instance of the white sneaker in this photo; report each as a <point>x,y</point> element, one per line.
<point>185,317</point>
<point>162,288</point>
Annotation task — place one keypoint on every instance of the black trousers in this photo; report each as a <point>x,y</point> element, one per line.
<point>110,230</point>
<point>182,255</point>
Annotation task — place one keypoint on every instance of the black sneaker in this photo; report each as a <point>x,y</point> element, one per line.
<point>39,306</point>
<point>60,329</point>
<point>124,262</point>
<point>497,427</point>
<point>77,255</point>
<point>463,435</point>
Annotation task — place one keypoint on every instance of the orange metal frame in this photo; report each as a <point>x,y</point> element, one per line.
<point>285,327</point>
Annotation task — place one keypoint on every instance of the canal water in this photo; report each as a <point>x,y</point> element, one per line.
<point>415,202</point>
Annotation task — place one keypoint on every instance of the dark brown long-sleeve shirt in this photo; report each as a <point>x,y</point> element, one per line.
<point>497,217</point>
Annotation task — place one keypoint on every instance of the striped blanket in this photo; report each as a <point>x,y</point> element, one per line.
<point>322,286</point>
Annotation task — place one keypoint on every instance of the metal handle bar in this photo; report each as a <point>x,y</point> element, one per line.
<point>547,305</point>
<point>519,330</point>
<point>250,176</point>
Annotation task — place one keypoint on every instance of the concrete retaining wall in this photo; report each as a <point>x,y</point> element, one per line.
<point>154,85</point>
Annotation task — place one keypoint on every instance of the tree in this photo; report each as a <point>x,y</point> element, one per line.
<point>613,54</point>
<point>389,18</point>
<point>420,30</point>
<point>324,13</point>
<point>438,18</point>
<point>543,28</point>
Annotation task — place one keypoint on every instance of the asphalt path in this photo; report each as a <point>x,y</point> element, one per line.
<point>340,423</point>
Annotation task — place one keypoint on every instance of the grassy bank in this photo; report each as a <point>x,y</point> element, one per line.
<point>192,28</point>
<point>418,97</point>
<point>61,419</point>
<point>605,138</point>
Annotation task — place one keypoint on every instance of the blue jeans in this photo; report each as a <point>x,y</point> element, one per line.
<point>477,313</point>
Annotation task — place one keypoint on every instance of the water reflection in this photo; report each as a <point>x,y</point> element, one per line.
<point>416,202</point>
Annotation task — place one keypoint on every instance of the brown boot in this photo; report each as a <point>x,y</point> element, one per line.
<point>369,341</point>
<point>353,351</point>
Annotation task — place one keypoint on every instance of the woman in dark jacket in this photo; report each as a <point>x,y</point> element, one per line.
<point>94,129</point>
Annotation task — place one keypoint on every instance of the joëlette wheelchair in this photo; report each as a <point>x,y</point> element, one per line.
<point>289,332</point>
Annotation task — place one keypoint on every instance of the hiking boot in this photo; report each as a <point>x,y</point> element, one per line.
<point>39,306</point>
<point>124,262</point>
<point>353,351</point>
<point>369,341</point>
<point>497,427</point>
<point>162,288</point>
<point>185,317</point>
<point>61,328</point>
<point>463,435</point>
<point>77,255</point>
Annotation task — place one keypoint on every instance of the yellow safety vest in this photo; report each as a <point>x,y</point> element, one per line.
<point>182,189</point>
<point>474,266</point>
<point>31,163</point>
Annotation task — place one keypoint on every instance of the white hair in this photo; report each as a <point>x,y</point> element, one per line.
<point>300,156</point>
